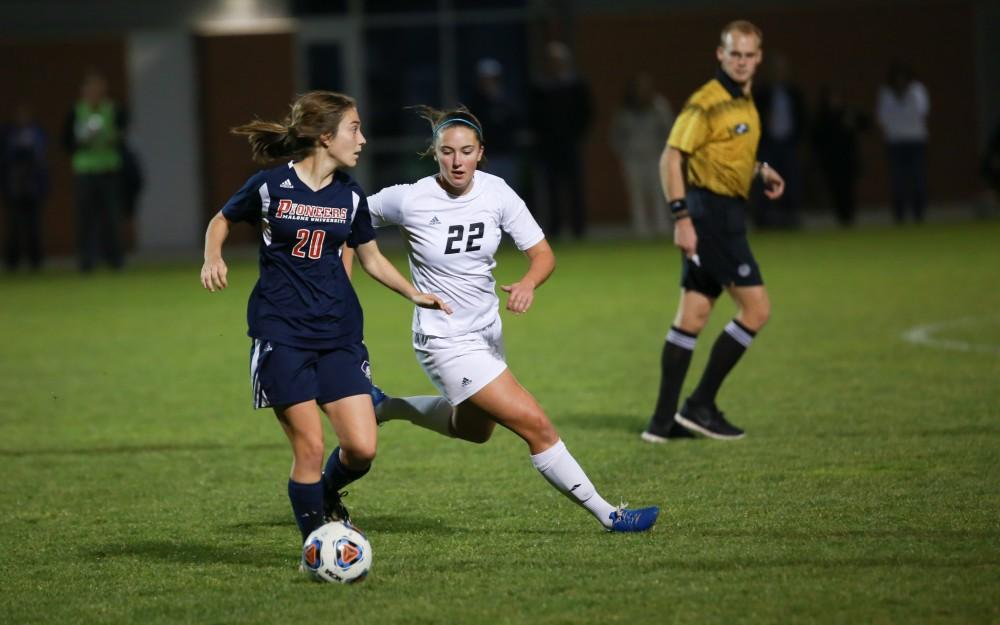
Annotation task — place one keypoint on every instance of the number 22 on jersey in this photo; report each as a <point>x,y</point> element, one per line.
<point>457,233</point>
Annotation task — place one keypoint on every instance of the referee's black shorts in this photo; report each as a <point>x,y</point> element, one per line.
<point>724,256</point>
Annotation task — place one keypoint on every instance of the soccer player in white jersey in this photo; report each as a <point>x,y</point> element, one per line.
<point>453,223</point>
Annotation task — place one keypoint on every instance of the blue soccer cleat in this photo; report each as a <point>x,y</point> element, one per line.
<point>378,396</point>
<point>639,520</point>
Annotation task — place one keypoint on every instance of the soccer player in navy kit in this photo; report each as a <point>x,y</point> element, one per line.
<point>453,223</point>
<point>303,315</point>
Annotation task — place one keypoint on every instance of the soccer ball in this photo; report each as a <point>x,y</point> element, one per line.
<point>337,552</point>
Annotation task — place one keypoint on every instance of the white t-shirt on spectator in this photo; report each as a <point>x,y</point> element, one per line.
<point>904,118</point>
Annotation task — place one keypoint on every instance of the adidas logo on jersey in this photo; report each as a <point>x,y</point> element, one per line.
<point>287,184</point>
<point>435,221</point>
<point>466,382</point>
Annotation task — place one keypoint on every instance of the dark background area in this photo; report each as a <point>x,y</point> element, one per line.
<point>426,52</point>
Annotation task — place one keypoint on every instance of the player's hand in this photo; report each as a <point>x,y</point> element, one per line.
<point>429,300</point>
<point>213,274</point>
<point>685,237</point>
<point>774,184</point>
<point>522,295</point>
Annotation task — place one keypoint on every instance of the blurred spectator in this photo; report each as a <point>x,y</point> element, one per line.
<point>93,134</point>
<point>903,105</point>
<point>783,126</point>
<point>561,113</point>
<point>991,163</point>
<point>500,114</point>
<point>24,184</point>
<point>638,133</point>
<point>835,141</point>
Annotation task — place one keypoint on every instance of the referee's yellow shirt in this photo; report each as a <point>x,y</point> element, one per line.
<point>718,129</point>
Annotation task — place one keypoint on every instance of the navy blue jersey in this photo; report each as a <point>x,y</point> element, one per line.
<point>303,297</point>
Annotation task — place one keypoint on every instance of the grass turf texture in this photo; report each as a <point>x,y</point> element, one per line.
<point>138,485</point>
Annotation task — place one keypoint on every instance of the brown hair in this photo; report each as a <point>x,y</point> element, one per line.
<point>744,27</point>
<point>313,114</point>
<point>440,120</point>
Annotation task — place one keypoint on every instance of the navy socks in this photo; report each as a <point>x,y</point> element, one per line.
<point>307,504</point>
<point>337,475</point>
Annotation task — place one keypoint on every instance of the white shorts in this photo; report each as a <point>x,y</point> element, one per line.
<point>460,366</point>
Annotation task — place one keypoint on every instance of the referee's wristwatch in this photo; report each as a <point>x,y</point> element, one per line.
<point>678,209</point>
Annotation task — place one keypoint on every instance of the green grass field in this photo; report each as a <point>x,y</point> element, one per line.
<point>139,487</point>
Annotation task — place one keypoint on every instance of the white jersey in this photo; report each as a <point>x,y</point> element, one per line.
<point>453,241</point>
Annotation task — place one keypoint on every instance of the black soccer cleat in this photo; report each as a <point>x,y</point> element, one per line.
<point>707,421</point>
<point>334,508</point>
<point>657,432</point>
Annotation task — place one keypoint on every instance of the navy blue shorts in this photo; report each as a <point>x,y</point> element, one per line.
<point>723,249</point>
<point>283,375</point>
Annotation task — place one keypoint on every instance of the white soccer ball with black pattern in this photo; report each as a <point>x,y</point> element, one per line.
<point>337,552</point>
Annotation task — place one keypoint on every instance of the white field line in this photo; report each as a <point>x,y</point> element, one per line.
<point>924,335</point>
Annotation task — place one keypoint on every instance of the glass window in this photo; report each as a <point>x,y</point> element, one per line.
<point>318,7</point>
<point>324,67</point>
<point>401,70</point>
<point>465,5</point>
<point>375,7</point>
<point>504,43</point>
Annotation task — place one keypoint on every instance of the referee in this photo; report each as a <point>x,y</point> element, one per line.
<point>706,171</point>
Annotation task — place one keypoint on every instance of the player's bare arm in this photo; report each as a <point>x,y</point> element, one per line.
<point>378,267</point>
<point>542,264</point>
<point>347,259</point>
<point>672,180</point>
<point>214,271</point>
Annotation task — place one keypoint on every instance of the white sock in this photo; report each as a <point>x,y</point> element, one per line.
<point>561,470</point>
<point>427,411</point>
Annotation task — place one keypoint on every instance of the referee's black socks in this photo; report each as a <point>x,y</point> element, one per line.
<point>726,352</point>
<point>674,362</point>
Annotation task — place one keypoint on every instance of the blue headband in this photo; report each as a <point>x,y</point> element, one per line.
<point>459,120</point>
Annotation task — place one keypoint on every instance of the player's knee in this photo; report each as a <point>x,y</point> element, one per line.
<point>757,317</point>
<point>479,434</point>
<point>693,322</point>
<point>358,455</point>
<point>764,317</point>
<point>539,428</point>
<point>477,437</point>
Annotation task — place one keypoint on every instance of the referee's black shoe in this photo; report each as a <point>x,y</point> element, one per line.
<point>657,432</point>
<point>707,421</point>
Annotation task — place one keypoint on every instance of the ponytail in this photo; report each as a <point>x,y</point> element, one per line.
<point>272,141</point>
<point>314,114</point>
